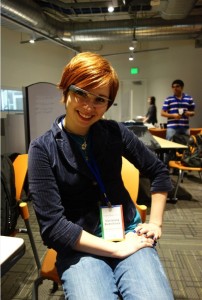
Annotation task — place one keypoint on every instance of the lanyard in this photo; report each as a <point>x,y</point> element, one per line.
<point>94,169</point>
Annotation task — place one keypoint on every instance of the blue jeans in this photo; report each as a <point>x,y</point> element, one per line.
<point>137,277</point>
<point>170,132</point>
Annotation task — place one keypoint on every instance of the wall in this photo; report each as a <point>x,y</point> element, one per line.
<point>157,70</point>
<point>24,64</point>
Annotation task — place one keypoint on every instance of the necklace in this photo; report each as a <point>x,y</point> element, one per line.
<point>80,140</point>
<point>84,145</point>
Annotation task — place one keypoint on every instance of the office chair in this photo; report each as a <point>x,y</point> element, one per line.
<point>130,176</point>
<point>181,169</point>
<point>20,166</point>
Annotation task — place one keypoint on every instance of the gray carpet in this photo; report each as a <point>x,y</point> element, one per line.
<point>180,249</point>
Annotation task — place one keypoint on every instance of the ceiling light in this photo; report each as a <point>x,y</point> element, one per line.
<point>155,2</point>
<point>131,48</point>
<point>110,9</point>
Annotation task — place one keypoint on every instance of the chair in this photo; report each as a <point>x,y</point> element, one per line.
<point>20,165</point>
<point>178,165</point>
<point>130,176</point>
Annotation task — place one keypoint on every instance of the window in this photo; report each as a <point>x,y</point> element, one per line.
<point>11,100</point>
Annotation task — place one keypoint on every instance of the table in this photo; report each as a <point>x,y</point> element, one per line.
<point>160,132</point>
<point>166,146</point>
<point>194,131</point>
<point>11,250</point>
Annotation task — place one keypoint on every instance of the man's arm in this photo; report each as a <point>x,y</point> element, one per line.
<point>189,113</point>
<point>170,116</point>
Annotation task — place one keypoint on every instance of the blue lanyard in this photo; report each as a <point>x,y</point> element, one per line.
<point>94,169</point>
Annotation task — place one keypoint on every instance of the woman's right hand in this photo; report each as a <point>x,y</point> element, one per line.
<point>132,243</point>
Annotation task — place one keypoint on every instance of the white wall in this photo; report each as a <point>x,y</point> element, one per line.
<point>157,70</point>
<point>24,64</point>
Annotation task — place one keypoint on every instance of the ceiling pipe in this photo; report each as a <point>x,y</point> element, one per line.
<point>176,9</point>
<point>28,14</point>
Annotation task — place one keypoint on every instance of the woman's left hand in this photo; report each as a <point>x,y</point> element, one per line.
<point>149,230</point>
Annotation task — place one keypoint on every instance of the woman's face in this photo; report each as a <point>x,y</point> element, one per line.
<point>81,112</point>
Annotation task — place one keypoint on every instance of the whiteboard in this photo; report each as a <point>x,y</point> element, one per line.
<point>41,107</point>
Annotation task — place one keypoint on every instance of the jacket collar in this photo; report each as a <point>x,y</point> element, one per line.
<point>99,136</point>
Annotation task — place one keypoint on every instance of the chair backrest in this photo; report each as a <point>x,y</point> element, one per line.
<point>20,165</point>
<point>130,176</point>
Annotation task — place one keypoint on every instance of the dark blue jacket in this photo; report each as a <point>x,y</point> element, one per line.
<point>64,191</point>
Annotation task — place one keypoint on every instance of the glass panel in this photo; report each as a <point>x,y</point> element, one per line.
<point>11,100</point>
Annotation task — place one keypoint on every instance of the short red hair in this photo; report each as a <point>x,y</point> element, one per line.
<point>89,70</point>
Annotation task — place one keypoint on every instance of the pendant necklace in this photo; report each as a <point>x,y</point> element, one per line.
<point>81,141</point>
<point>84,145</point>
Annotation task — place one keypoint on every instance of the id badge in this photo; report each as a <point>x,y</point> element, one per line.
<point>112,223</point>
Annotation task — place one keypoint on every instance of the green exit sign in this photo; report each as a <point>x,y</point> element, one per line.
<point>134,71</point>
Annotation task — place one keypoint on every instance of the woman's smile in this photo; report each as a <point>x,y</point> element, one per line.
<point>84,116</point>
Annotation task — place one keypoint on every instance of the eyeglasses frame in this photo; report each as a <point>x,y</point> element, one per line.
<point>74,89</point>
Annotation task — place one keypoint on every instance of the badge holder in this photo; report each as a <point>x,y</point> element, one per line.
<point>111,216</point>
<point>112,223</point>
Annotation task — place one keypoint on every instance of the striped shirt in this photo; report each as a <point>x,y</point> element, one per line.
<point>171,106</point>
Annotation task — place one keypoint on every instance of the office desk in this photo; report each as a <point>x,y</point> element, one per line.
<point>11,250</point>
<point>160,132</point>
<point>194,131</point>
<point>166,146</point>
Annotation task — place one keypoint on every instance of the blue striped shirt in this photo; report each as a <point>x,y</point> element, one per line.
<point>171,106</point>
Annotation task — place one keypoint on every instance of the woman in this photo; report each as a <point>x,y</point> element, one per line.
<point>75,176</point>
<point>151,117</point>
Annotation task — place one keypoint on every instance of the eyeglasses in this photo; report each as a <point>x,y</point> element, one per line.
<point>83,97</point>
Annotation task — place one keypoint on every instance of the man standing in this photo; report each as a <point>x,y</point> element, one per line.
<point>178,108</point>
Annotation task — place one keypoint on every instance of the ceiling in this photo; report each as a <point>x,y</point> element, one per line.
<point>80,25</point>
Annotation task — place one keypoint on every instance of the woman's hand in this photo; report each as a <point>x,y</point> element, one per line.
<point>149,230</point>
<point>132,243</point>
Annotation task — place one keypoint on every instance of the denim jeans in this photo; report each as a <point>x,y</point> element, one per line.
<point>137,277</point>
<point>170,132</point>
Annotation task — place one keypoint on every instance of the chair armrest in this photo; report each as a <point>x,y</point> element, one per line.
<point>142,209</point>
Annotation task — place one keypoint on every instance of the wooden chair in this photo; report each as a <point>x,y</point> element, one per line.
<point>20,165</point>
<point>178,165</point>
<point>130,176</point>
